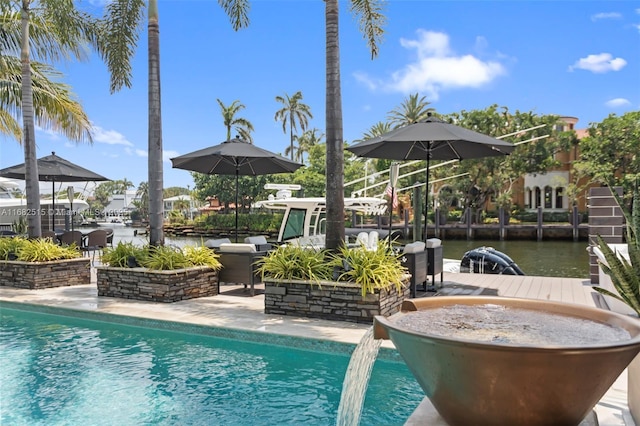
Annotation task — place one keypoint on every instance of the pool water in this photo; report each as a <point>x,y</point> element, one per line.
<point>59,370</point>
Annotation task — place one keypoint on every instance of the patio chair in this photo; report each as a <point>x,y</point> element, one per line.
<point>95,241</point>
<point>109,236</point>
<point>50,234</point>
<point>70,237</point>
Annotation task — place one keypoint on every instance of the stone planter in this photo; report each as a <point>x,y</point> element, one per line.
<point>37,275</point>
<point>157,286</point>
<point>330,300</point>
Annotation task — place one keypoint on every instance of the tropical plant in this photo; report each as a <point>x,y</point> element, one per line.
<point>128,255</point>
<point>295,113</point>
<point>370,269</point>
<point>305,142</point>
<point>123,255</point>
<point>371,21</point>
<point>412,110</point>
<point>625,274</point>
<point>289,262</point>
<point>35,250</point>
<point>230,119</point>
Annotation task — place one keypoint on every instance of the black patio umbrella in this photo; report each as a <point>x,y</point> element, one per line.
<point>431,139</point>
<point>53,168</point>
<point>235,157</point>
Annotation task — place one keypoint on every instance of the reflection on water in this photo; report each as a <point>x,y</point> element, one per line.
<point>544,258</point>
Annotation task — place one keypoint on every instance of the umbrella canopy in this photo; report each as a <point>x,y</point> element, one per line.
<point>54,169</point>
<point>235,157</point>
<point>431,139</point>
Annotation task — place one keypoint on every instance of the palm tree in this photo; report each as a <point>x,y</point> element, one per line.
<point>155,171</point>
<point>295,113</point>
<point>242,125</point>
<point>54,104</point>
<point>58,31</point>
<point>412,110</point>
<point>305,142</point>
<point>377,129</point>
<point>371,21</point>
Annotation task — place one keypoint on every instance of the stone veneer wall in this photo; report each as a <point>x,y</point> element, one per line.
<point>605,219</point>
<point>37,275</point>
<point>157,286</point>
<point>332,301</point>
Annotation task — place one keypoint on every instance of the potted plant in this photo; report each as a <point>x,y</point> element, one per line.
<point>159,274</point>
<point>354,284</point>
<point>41,263</point>
<point>624,272</point>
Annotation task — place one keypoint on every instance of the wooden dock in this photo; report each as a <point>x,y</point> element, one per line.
<point>569,290</point>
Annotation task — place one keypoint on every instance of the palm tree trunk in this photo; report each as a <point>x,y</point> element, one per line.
<point>156,205</point>
<point>32,187</point>
<point>335,154</point>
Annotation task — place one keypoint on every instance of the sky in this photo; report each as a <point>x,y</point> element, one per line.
<point>568,58</point>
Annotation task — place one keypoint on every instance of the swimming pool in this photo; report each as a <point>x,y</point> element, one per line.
<point>65,370</point>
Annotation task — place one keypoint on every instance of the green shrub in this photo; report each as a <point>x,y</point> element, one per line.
<point>35,250</point>
<point>124,255</point>
<point>370,269</point>
<point>127,255</point>
<point>289,262</point>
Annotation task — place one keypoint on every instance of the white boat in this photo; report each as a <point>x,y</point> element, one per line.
<point>304,220</point>
<point>13,209</point>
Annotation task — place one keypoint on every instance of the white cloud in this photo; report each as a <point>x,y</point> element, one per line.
<point>168,155</point>
<point>617,103</point>
<point>437,67</point>
<point>110,137</point>
<point>600,63</point>
<point>141,152</point>
<point>606,15</point>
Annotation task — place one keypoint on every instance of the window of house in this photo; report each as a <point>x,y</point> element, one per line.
<point>559,197</point>
<point>547,197</point>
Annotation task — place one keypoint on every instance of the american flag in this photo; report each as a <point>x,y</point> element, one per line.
<point>392,194</point>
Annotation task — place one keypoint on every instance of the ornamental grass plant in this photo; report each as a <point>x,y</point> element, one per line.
<point>161,258</point>
<point>370,269</point>
<point>35,250</point>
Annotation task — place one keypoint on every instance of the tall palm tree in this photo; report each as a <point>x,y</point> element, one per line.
<point>412,110</point>
<point>371,21</point>
<point>242,125</point>
<point>155,169</point>
<point>305,142</point>
<point>59,31</point>
<point>295,113</point>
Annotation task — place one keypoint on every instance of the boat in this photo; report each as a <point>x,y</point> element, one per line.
<point>304,218</point>
<point>304,224</point>
<point>14,209</point>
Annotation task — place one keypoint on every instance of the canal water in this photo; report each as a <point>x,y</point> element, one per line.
<point>543,258</point>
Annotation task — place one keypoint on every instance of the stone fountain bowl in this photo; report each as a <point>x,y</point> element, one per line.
<point>482,383</point>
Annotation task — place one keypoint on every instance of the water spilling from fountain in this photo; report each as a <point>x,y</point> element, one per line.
<point>356,380</point>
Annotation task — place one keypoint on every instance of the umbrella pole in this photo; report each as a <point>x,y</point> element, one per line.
<point>426,197</point>
<point>236,204</point>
